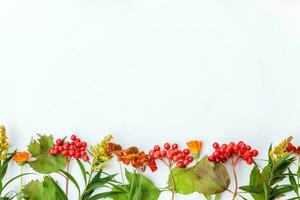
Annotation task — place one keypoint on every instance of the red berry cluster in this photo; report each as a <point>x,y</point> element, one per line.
<point>75,149</point>
<point>172,154</point>
<point>293,149</point>
<point>233,152</point>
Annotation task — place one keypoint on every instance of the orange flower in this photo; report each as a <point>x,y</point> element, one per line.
<point>195,146</point>
<point>22,157</point>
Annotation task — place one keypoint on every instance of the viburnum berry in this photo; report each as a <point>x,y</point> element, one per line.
<point>233,152</point>
<point>74,149</point>
<point>171,155</point>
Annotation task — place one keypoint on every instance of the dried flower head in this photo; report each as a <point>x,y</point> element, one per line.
<point>4,145</point>
<point>280,150</point>
<point>132,155</point>
<point>101,153</point>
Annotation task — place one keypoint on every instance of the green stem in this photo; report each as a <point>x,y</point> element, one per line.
<point>298,178</point>
<point>121,171</point>
<point>132,184</point>
<point>21,181</point>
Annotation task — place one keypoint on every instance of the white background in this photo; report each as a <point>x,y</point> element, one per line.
<point>151,71</point>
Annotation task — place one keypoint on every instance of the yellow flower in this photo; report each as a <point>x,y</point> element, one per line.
<point>22,157</point>
<point>196,147</point>
<point>280,150</point>
<point>4,145</point>
<point>100,153</point>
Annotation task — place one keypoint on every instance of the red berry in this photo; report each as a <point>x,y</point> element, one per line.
<point>254,153</point>
<point>167,146</point>
<point>186,151</point>
<point>216,154</point>
<point>215,145</point>
<point>71,153</point>
<point>86,158</point>
<point>247,154</point>
<point>64,153</point>
<point>77,140</point>
<point>190,158</point>
<point>180,155</point>
<point>55,151</point>
<point>60,148</point>
<point>236,149</point>
<point>71,147</point>
<point>78,144</point>
<point>83,144</point>
<point>51,151</point>
<point>249,161</point>
<point>151,153</point>
<point>163,153</point>
<point>77,155</point>
<point>83,153</point>
<point>156,155</point>
<point>170,154</point>
<point>73,137</point>
<point>186,162</point>
<point>177,151</point>
<point>211,158</point>
<point>176,158</point>
<point>180,164</point>
<point>175,146</point>
<point>82,148</point>
<point>59,141</point>
<point>156,148</point>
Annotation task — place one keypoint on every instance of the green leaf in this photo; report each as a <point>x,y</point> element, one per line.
<point>72,179</point>
<point>255,187</point>
<point>142,188</point>
<point>203,178</point>
<point>103,195</point>
<point>96,183</point>
<point>264,184</point>
<point>293,182</point>
<point>83,171</point>
<point>45,163</point>
<point>147,189</point>
<point>46,190</point>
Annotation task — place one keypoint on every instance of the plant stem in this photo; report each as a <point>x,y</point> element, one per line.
<point>67,179</point>
<point>173,181</point>
<point>235,182</point>
<point>121,171</point>
<point>298,178</point>
<point>21,181</point>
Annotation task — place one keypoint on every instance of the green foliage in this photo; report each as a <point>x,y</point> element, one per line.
<point>265,184</point>
<point>45,163</point>
<point>46,190</point>
<point>204,178</point>
<point>97,182</point>
<point>139,188</point>
<point>3,169</point>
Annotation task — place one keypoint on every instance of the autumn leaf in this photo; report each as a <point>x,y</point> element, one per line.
<point>204,178</point>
